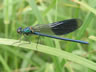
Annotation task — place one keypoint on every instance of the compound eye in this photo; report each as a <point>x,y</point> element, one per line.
<point>19,30</point>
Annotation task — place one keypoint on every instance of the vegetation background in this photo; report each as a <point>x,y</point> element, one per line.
<point>52,55</point>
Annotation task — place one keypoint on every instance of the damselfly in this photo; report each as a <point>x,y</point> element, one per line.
<point>56,28</point>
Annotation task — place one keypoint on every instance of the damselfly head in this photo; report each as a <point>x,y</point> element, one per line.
<point>19,30</point>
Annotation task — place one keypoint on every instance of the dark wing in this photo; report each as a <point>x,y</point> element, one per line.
<point>59,28</point>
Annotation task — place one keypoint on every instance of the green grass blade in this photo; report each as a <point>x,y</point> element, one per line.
<point>51,51</point>
<point>4,64</point>
<point>85,5</point>
<point>36,11</point>
<point>82,30</point>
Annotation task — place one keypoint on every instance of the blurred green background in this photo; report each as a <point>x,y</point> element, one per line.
<point>24,13</point>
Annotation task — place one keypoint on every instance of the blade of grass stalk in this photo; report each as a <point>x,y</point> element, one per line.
<point>56,59</point>
<point>6,13</point>
<point>15,52</point>
<point>83,4</point>
<point>6,16</point>
<point>57,64</point>
<point>13,18</point>
<point>49,68</point>
<point>86,23</point>
<point>75,15</point>
<point>47,9</point>
<point>18,54</point>
<point>82,30</point>
<point>41,69</point>
<point>69,5</point>
<point>51,51</point>
<point>26,62</point>
<point>38,60</point>
<point>36,11</point>
<point>2,61</point>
